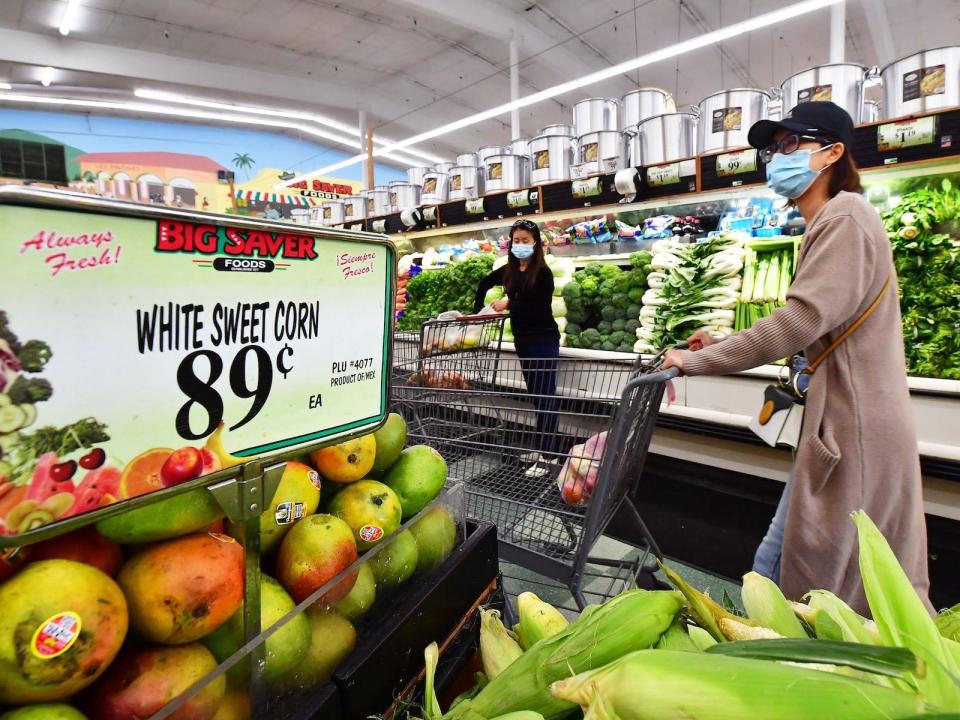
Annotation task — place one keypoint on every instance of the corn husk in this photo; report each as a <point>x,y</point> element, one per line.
<point>538,619</point>
<point>665,685</point>
<point>498,648</point>
<point>902,618</point>
<point>765,604</point>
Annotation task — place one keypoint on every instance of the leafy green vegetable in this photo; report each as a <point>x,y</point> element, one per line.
<point>609,313</point>
<point>83,433</point>
<point>452,287</point>
<point>30,390</point>
<point>604,327</point>
<point>34,355</point>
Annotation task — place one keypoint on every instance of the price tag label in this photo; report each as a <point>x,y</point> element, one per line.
<point>379,226</point>
<point>906,133</point>
<point>195,333</point>
<point>430,214</point>
<point>586,188</point>
<point>736,163</point>
<point>666,174</point>
<point>518,199</point>
<point>578,171</point>
<point>474,207</point>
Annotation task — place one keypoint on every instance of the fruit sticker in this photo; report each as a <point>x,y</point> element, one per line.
<point>55,635</point>
<point>370,533</point>
<point>314,477</point>
<point>288,512</point>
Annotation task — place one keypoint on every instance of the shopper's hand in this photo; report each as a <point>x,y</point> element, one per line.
<point>699,340</point>
<point>500,305</point>
<point>673,359</point>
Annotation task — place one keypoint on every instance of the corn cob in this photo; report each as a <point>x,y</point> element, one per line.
<point>665,685</point>
<point>901,617</point>
<point>765,604</point>
<point>706,612</point>
<point>631,620</point>
<point>497,648</point>
<point>538,620</point>
<point>733,629</point>
<point>833,619</point>
<point>948,623</point>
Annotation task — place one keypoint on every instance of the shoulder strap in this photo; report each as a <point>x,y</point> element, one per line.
<point>812,367</point>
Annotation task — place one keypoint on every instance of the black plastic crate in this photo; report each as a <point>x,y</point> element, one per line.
<point>389,655</point>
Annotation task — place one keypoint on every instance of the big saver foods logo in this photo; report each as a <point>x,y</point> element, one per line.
<point>242,249</point>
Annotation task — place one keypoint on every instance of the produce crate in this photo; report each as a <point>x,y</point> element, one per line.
<point>386,664</point>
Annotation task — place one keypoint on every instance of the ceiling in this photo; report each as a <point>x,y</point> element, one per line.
<point>416,64</point>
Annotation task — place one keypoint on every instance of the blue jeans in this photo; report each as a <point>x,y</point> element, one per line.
<point>538,364</point>
<point>766,562</point>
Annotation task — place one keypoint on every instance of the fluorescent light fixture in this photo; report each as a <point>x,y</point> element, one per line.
<point>163,96</point>
<point>46,75</point>
<point>6,86</point>
<point>180,112</point>
<point>69,16</point>
<point>701,41</point>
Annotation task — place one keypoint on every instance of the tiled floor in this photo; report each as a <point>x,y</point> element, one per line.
<point>601,584</point>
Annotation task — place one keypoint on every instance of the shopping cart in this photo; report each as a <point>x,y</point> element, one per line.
<point>507,430</point>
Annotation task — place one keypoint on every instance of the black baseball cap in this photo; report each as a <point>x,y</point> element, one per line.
<point>824,119</point>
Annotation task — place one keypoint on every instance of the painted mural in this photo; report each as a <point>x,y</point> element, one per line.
<point>177,164</point>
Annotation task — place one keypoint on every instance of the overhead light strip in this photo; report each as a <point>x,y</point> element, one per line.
<point>69,16</point>
<point>195,114</point>
<point>163,96</point>
<point>701,41</point>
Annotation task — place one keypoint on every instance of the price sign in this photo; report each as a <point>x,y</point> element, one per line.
<point>430,215</point>
<point>585,188</point>
<point>906,133</point>
<point>666,174</point>
<point>736,163</point>
<point>379,226</point>
<point>518,199</point>
<point>474,207</point>
<point>130,334</point>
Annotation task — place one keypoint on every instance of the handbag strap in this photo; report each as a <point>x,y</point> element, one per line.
<point>812,367</point>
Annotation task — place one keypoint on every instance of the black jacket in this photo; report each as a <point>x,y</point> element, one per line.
<point>531,314</point>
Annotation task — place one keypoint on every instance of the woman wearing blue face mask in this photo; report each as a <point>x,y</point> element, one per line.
<point>528,283</point>
<point>858,444</point>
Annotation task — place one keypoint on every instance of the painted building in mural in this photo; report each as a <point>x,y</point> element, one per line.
<point>170,178</point>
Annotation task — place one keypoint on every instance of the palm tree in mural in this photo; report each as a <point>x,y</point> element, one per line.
<point>243,161</point>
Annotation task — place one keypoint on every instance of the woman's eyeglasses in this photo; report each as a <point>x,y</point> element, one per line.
<point>787,145</point>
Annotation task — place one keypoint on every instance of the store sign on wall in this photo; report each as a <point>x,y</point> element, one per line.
<point>736,163</point>
<point>323,190</point>
<point>154,334</point>
<point>666,174</point>
<point>906,133</point>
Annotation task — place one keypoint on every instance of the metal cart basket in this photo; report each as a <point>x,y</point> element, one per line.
<point>509,427</point>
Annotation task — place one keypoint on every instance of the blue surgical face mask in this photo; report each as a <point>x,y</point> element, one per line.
<point>790,175</point>
<point>522,252</point>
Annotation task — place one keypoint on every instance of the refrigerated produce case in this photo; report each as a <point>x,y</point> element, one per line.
<point>703,455</point>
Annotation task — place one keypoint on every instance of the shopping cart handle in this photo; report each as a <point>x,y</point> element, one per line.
<point>670,373</point>
<point>483,316</point>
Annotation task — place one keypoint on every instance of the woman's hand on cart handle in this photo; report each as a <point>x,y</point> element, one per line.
<point>500,305</point>
<point>699,340</point>
<point>674,359</point>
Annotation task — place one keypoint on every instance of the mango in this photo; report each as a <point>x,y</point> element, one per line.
<point>235,706</point>
<point>143,681</point>
<point>62,623</point>
<point>417,477</point>
<point>183,589</point>
<point>284,649</point>
<point>397,562</point>
<point>332,638</point>
<point>436,536</point>
<point>347,462</point>
<point>316,550</point>
<point>390,440</point>
<point>361,596</point>
<point>171,517</point>
<point>297,496</point>
<point>371,509</point>
<point>44,712</point>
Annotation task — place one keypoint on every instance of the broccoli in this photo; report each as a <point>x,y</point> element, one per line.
<point>617,325</point>
<point>620,300</point>
<point>579,276</point>
<point>604,327</point>
<point>625,348</point>
<point>595,269</point>
<point>636,295</point>
<point>641,258</point>
<point>577,317</point>
<point>34,355</point>
<point>609,313</point>
<point>630,327</point>
<point>7,334</point>
<point>570,291</point>
<point>30,390</point>
<point>610,272</point>
<point>608,346</point>
<point>633,311</point>
<point>606,290</point>
<point>589,287</point>
<point>619,337</point>
<point>621,283</point>
<point>572,328</point>
<point>621,314</point>
<point>589,337</point>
